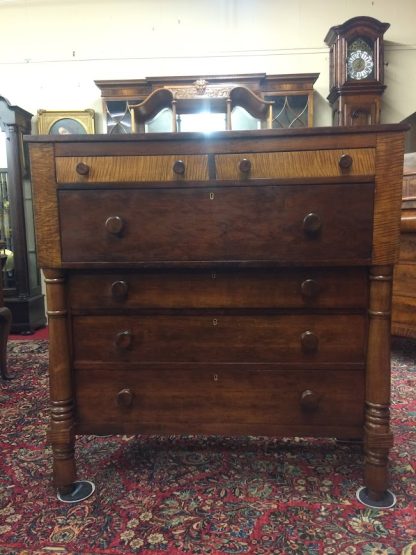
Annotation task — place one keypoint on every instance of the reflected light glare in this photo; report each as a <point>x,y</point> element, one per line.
<point>205,122</point>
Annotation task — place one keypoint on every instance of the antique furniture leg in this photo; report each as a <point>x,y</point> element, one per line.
<point>378,438</point>
<point>5,322</point>
<point>61,431</point>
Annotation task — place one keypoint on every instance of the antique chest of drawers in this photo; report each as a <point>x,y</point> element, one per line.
<point>233,283</point>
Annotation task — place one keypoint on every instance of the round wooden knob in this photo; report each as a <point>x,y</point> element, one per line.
<point>309,342</point>
<point>119,290</point>
<point>312,224</point>
<point>310,288</point>
<point>244,166</point>
<point>345,162</point>
<point>179,167</point>
<point>309,400</point>
<point>125,398</point>
<point>114,225</point>
<point>82,169</point>
<point>123,340</point>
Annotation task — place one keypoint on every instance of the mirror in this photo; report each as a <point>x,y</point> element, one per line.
<point>201,107</point>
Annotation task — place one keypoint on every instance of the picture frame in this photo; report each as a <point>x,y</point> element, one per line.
<point>64,122</point>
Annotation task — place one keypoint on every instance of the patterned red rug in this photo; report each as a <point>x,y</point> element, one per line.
<point>198,495</point>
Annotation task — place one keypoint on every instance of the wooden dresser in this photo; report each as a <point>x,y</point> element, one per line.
<point>233,283</point>
<point>404,285</point>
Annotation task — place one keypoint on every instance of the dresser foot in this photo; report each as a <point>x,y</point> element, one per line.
<point>385,500</point>
<point>78,491</point>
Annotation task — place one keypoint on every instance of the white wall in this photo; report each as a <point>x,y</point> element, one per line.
<point>53,50</point>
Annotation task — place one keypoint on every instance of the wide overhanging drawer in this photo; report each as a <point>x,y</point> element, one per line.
<point>304,224</point>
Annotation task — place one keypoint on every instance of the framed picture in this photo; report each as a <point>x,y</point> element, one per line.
<point>65,122</point>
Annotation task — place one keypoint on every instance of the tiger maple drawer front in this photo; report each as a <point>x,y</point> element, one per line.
<point>285,224</point>
<point>220,338</point>
<point>217,399</point>
<point>318,163</point>
<point>110,169</point>
<point>249,288</point>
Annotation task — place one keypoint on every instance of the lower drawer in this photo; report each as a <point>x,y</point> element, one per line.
<point>216,288</point>
<point>219,399</point>
<point>290,338</point>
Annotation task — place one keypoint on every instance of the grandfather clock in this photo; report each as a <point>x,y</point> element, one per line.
<point>356,70</point>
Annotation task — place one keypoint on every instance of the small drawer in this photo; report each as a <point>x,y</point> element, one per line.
<point>245,288</point>
<point>219,399</point>
<point>281,224</point>
<point>110,169</point>
<point>303,164</point>
<point>292,338</point>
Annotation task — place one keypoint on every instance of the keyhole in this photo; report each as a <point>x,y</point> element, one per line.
<point>214,322</point>
<point>215,377</point>
<point>211,196</point>
<point>213,275</point>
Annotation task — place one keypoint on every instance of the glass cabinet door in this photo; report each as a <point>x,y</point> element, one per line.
<point>21,276</point>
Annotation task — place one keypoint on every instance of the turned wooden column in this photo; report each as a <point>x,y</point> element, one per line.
<point>61,430</point>
<point>378,438</point>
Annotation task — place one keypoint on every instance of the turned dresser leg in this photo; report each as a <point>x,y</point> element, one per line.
<point>378,438</point>
<point>61,433</point>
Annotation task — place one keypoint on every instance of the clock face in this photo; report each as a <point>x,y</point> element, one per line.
<point>360,63</point>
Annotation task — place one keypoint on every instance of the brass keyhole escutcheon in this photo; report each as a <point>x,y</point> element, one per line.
<point>215,322</point>
<point>211,196</point>
<point>215,376</point>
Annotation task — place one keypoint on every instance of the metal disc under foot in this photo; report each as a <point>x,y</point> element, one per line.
<point>82,490</point>
<point>386,502</point>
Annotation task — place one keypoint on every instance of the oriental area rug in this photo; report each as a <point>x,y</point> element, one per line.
<point>198,495</point>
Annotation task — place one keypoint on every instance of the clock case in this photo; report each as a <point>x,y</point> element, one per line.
<point>356,102</point>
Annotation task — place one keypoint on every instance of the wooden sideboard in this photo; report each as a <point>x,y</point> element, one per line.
<point>233,283</point>
<point>292,96</point>
<point>404,288</point>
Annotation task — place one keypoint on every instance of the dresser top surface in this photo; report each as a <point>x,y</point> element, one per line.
<point>246,135</point>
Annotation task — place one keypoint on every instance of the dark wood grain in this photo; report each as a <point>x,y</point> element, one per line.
<point>236,223</point>
<point>216,288</point>
<point>219,338</point>
<point>218,400</point>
